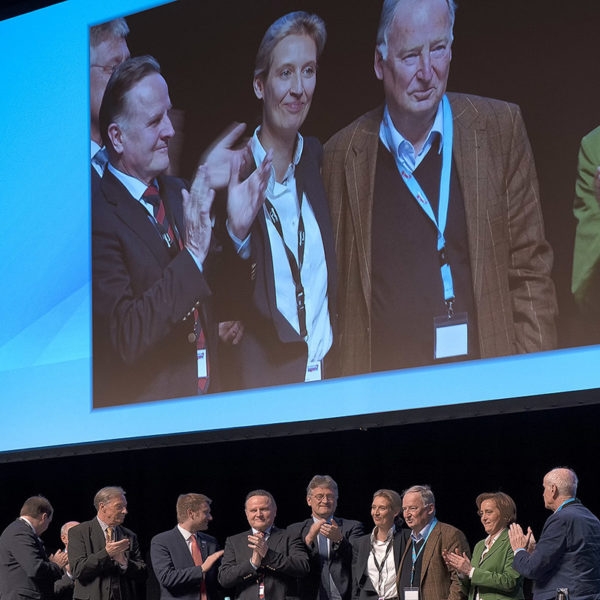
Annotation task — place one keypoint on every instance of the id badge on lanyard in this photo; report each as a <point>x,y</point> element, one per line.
<point>450,331</point>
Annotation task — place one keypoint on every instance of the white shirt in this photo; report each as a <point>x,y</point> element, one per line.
<point>402,148</point>
<point>384,584</point>
<point>284,198</point>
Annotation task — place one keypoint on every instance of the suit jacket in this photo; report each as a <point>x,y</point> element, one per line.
<point>174,566</point>
<point>272,352</point>
<point>586,256</point>
<point>340,558</point>
<point>63,588</point>
<point>436,581</point>
<point>285,561</point>
<point>363,588</point>
<point>143,301</point>
<point>94,570</point>
<point>494,577</point>
<point>567,554</point>
<point>510,259</point>
<point>25,571</point>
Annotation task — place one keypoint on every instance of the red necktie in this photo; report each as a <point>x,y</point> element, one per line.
<point>197,556</point>
<point>152,196</point>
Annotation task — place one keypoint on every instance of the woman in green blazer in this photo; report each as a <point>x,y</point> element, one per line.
<point>489,575</point>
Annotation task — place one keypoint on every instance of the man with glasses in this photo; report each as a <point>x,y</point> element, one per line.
<point>423,575</point>
<point>108,49</point>
<point>328,541</point>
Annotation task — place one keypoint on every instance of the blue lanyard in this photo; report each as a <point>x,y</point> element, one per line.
<point>565,502</point>
<point>415,555</point>
<point>422,200</point>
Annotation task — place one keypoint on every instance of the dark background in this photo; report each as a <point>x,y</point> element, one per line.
<point>543,58</point>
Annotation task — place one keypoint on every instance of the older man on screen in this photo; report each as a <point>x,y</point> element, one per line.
<point>435,206</point>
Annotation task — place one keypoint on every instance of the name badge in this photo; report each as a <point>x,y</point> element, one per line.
<point>451,336</point>
<point>202,368</point>
<point>411,593</point>
<point>314,371</point>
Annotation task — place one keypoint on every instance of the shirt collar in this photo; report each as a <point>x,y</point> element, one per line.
<point>185,533</point>
<point>388,537</point>
<point>259,153</point>
<point>402,147</point>
<point>94,147</point>
<point>424,533</point>
<point>134,186</point>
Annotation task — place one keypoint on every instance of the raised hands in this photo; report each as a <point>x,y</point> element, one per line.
<point>196,214</point>
<point>245,197</point>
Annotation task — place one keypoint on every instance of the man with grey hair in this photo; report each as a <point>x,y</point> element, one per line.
<point>329,542</point>
<point>63,588</point>
<point>567,553</point>
<point>436,213</point>
<point>104,556</point>
<point>264,562</point>
<point>185,560</point>
<point>422,565</point>
<point>108,49</point>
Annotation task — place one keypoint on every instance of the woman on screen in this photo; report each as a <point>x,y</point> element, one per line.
<point>288,315</point>
<point>377,555</point>
<point>490,574</point>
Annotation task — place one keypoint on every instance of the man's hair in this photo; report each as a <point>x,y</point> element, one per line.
<point>506,505</point>
<point>192,502</point>
<point>260,493</point>
<point>322,481</point>
<point>425,492</point>
<point>388,12</point>
<point>294,23</point>
<point>106,494</point>
<point>125,77</point>
<point>565,480</point>
<point>36,506</point>
<point>111,30</point>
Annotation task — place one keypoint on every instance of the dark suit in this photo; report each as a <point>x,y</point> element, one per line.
<point>64,587</point>
<point>509,257</point>
<point>271,351</point>
<point>174,566</point>
<point>95,571</point>
<point>340,558</point>
<point>494,577</point>
<point>25,571</point>
<point>285,561</point>
<point>567,554</point>
<point>363,587</point>
<point>143,301</point>
<point>436,581</point>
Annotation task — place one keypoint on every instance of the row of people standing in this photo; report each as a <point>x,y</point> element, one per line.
<point>325,557</point>
<point>416,237</point>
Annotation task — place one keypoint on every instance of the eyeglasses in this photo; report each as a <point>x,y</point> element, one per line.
<point>107,69</point>
<point>319,497</point>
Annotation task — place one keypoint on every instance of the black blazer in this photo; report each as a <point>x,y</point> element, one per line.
<point>143,299</point>
<point>286,560</point>
<point>25,571</point>
<point>363,587</point>
<point>340,558</point>
<point>272,352</point>
<point>175,570</point>
<point>93,569</point>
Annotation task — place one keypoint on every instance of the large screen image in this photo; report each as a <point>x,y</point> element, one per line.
<point>341,294</point>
